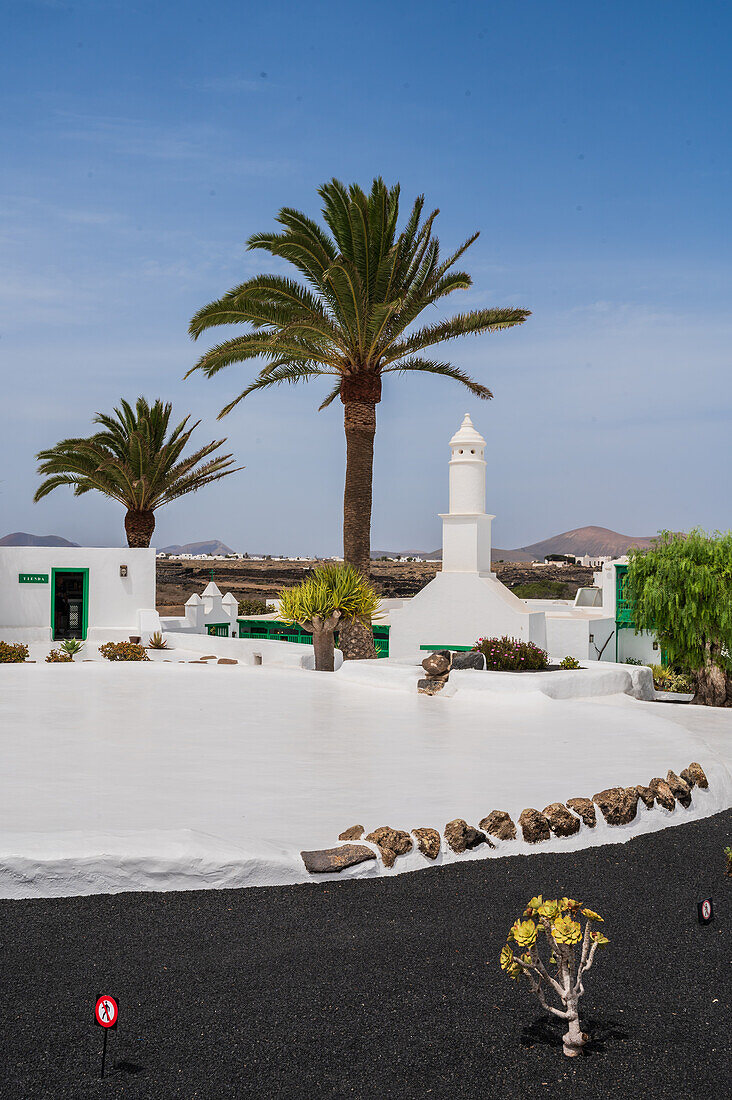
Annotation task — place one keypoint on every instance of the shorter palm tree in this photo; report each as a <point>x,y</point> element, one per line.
<point>136,461</point>
<point>333,597</point>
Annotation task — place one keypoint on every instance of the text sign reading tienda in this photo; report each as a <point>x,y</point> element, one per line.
<point>705,909</point>
<point>106,1011</point>
<point>32,578</point>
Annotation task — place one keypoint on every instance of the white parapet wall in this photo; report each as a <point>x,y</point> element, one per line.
<point>117,584</point>
<point>455,609</point>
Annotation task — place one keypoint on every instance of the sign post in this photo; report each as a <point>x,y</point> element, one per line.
<point>106,1014</point>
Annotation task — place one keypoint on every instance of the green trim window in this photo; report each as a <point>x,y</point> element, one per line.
<point>218,630</point>
<point>69,603</point>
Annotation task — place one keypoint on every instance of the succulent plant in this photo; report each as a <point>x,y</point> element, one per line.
<point>559,922</point>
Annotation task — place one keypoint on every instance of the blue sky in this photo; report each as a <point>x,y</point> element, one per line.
<point>589,143</point>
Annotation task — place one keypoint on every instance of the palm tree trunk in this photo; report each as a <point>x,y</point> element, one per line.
<point>360,394</point>
<point>139,525</point>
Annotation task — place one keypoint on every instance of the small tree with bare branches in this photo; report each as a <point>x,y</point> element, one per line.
<point>560,925</point>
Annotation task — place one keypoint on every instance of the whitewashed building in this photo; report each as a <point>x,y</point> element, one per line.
<point>466,600</point>
<point>50,593</point>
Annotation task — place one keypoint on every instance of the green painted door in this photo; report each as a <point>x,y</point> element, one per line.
<point>69,603</point>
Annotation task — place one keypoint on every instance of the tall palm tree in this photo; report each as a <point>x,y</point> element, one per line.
<point>136,461</point>
<point>367,285</point>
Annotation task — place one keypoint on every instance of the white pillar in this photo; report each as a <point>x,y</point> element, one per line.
<point>466,528</point>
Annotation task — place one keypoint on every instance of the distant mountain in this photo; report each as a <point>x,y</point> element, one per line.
<point>596,541</point>
<point>214,546</point>
<point>22,538</point>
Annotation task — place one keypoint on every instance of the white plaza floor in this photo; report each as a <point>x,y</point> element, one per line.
<point>173,776</point>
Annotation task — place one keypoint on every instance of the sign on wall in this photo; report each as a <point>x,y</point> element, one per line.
<point>32,578</point>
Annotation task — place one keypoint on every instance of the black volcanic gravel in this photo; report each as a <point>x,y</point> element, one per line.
<point>386,988</point>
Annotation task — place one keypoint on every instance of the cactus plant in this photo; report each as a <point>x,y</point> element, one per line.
<point>558,922</point>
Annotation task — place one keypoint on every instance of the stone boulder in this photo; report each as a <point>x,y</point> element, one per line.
<point>428,686</point>
<point>662,793</point>
<point>585,807</point>
<point>437,665</point>
<point>331,860</point>
<point>534,826</point>
<point>428,842</point>
<point>472,659</point>
<point>679,788</point>
<point>353,832</point>
<point>646,795</point>
<point>694,776</point>
<point>561,821</point>
<point>499,824</point>
<point>390,842</point>
<point>618,804</point>
<point>227,661</point>
<point>461,836</point>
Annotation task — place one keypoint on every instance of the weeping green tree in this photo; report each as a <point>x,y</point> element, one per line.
<point>681,590</point>
<point>136,459</point>
<point>355,318</point>
<point>333,597</point>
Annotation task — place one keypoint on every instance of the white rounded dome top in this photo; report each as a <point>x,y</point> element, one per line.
<point>467,436</point>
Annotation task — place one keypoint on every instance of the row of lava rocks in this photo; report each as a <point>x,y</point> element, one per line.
<point>618,806</point>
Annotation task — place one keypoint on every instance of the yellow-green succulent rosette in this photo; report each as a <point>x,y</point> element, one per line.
<point>524,933</point>
<point>592,916</point>
<point>571,904</point>
<point>506,958</point>
<point>549,909</point>
<point>566,930</point>
<point>598,938</point>
<point>533,906</point>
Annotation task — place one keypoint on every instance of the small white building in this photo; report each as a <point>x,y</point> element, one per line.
<point>50,593</point>
<point>209,613</point>
<point>466,600</point>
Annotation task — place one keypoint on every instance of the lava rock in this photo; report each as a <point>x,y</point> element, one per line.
<point>694,774</point>
<point>662,793</point>
<point>461,836</point>
<point>679,788</point>
<point>499,824</point>
<point>391,843</point>
<point>331,860</point>
<point>534,826</point>
<point>430,686</point>
<point>428,842</point>
<point>646,795</point>
<point>353,832</point>
<point>472,659</point>
<point>437,665</point>
<point>227,661</point>
<point>561,821</point>
<point>585,807</point>
<point>618,804</point>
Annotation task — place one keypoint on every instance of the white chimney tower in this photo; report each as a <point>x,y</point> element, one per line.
<point>465,601</point>
<point>466,528</point>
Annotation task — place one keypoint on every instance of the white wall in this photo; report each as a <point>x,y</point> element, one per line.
<point>458,608</point>
<point>114,601</point>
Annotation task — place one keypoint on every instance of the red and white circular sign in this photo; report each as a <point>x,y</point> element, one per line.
<point>106,1011</point>
<point>706,909</point>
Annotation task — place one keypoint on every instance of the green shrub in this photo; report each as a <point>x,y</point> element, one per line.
<point>634,661</point>
<point>13,653</point>
<point>123,651</point>
<point>253,607</point>
<point>507,654</point>
<point>157,641</point>
<point>72,646</point>
<point>59,657</point>
<point>569,663</point>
